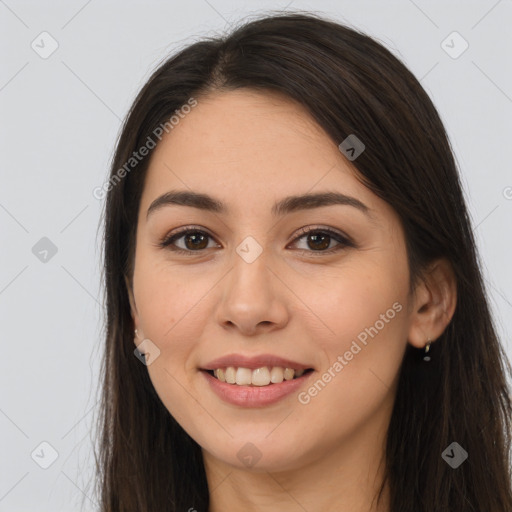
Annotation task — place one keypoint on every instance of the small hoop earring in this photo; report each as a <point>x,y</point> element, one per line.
<point>426,356</point>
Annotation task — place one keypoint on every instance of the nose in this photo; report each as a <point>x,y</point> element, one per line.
<point>253,297</point>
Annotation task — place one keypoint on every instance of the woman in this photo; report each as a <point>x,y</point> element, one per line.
<point>296,318</point>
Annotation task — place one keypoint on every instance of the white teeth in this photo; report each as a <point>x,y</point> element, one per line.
<point>230,375</point>
<point>258,377</point>
<point>261,377</point>
<point>243,376</point>
<point>288,374</point>
<point>276,375</point>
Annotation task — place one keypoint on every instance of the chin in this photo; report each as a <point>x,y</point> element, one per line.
<point>263,455</point>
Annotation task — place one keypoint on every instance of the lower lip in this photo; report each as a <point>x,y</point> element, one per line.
<point>255,396</point>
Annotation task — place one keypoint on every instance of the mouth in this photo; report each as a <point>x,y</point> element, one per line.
<point>263,376</point>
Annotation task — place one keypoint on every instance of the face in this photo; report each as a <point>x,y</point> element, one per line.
<point>313,286</point>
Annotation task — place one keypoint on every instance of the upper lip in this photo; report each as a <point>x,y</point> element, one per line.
<point>253,362</point>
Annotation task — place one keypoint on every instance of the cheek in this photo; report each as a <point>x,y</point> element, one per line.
<point>361,361</point>
<point>362,334</point>
<point>173,316</point>
<point>362,295</point>
<point>168,300</point>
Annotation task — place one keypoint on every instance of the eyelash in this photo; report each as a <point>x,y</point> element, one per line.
<point>344,241</point>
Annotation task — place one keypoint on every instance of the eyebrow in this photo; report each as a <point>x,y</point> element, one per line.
<point>282,207</point>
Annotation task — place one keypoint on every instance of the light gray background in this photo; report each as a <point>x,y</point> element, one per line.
<point>59,120</point>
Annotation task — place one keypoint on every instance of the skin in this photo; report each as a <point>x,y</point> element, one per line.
<point>250,149</point>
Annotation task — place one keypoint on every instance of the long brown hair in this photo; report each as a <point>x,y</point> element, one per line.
<point>350,84</point>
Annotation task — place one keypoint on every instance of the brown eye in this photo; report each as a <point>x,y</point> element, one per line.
<point>319,240</point>
<point>194,240</point>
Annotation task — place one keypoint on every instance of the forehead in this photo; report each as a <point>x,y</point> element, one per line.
<point>247,147</point>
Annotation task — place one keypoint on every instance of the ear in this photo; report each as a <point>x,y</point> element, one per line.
<point>133,311</point>
<point>434,303</point>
